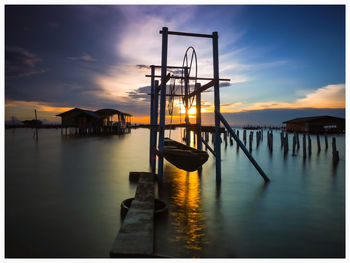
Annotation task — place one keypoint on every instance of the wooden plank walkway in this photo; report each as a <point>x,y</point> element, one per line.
<point>136,235</point>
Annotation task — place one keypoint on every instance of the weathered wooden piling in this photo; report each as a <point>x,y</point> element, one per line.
<point>294,143</point>
<point>286,145</point>
<point>304,145</point>
<point>250,141</point>
<point>318,143</point>
<point>199,117</point>
<point>326,141</point>
<point>334,150</point>
<point>282,139</point>
<point>245,136</point>
<point>298,144</point>
<point>270,140</point>
<point>309,143</point>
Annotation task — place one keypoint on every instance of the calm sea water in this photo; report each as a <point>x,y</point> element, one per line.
<point>63,195</point>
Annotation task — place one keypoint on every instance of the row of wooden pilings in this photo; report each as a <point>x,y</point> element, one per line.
<point>306,142</point>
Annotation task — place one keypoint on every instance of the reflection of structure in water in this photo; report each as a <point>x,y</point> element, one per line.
<point>186,211</point>
<point>105,121</point>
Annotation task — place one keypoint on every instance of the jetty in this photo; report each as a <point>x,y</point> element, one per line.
<point>136,234</point>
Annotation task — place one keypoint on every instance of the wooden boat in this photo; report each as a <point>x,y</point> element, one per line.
<point>183,156</point>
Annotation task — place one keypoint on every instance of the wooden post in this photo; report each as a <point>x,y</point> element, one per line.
<point>294,142</point>
<point>217,106</point>
<point>162,102</point>
<point>36,125</point>
<point>318,143</point>
<point>250,140</point>
<point>198,117</point>
<point>286,146</point>
<point>155,122</point>
<point>152,114</point>
<point>282,139</point>
<point>187,119</point>
<point>245,136</point>
<point>271,141</point>
<point>304,145</point>
<point>298,144</point>
<point>326,141</point>
<point>309,141</point>
<point>335,152</point>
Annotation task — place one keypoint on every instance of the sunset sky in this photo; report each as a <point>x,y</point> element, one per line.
<point>279,58</point>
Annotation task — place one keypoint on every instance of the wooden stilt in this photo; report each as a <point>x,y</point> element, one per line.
<point>162,102</point>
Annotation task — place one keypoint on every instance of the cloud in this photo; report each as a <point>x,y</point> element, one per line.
<point>330,96</point>
<point>85,57</point>
<point>143,67</point>
<point>224,84</point>
<point>21,63</point>
<point>140,45</point>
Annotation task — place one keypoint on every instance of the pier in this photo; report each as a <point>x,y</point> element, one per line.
<point>136,235</point>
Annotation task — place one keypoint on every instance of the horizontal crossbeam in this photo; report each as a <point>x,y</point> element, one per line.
<point>187,34</point>
<point>191,78</point>
<point>174,67</point>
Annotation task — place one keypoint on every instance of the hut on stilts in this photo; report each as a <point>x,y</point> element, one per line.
<point>105,121</point>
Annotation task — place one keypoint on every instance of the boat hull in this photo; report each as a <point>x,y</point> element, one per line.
<point>182,156</point>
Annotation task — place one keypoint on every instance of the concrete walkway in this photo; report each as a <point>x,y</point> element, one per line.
<point>136,235</point>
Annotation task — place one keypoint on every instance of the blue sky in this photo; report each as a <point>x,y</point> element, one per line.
<point>277,57</point>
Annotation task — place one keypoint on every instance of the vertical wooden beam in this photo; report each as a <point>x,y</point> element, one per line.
<point>198,117</point>
<point>152,121</point>
<point>318,143</point>
<point>326,141</point>
<point>217,146</point>
<point>36,125</point>
<point>334,150</point>
<point>162,102</point>
<point>187,119</point>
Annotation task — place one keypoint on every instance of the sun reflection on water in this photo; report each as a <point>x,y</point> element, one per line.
<point>186,212</point>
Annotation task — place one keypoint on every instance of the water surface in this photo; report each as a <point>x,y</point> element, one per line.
<point>63,194</point>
